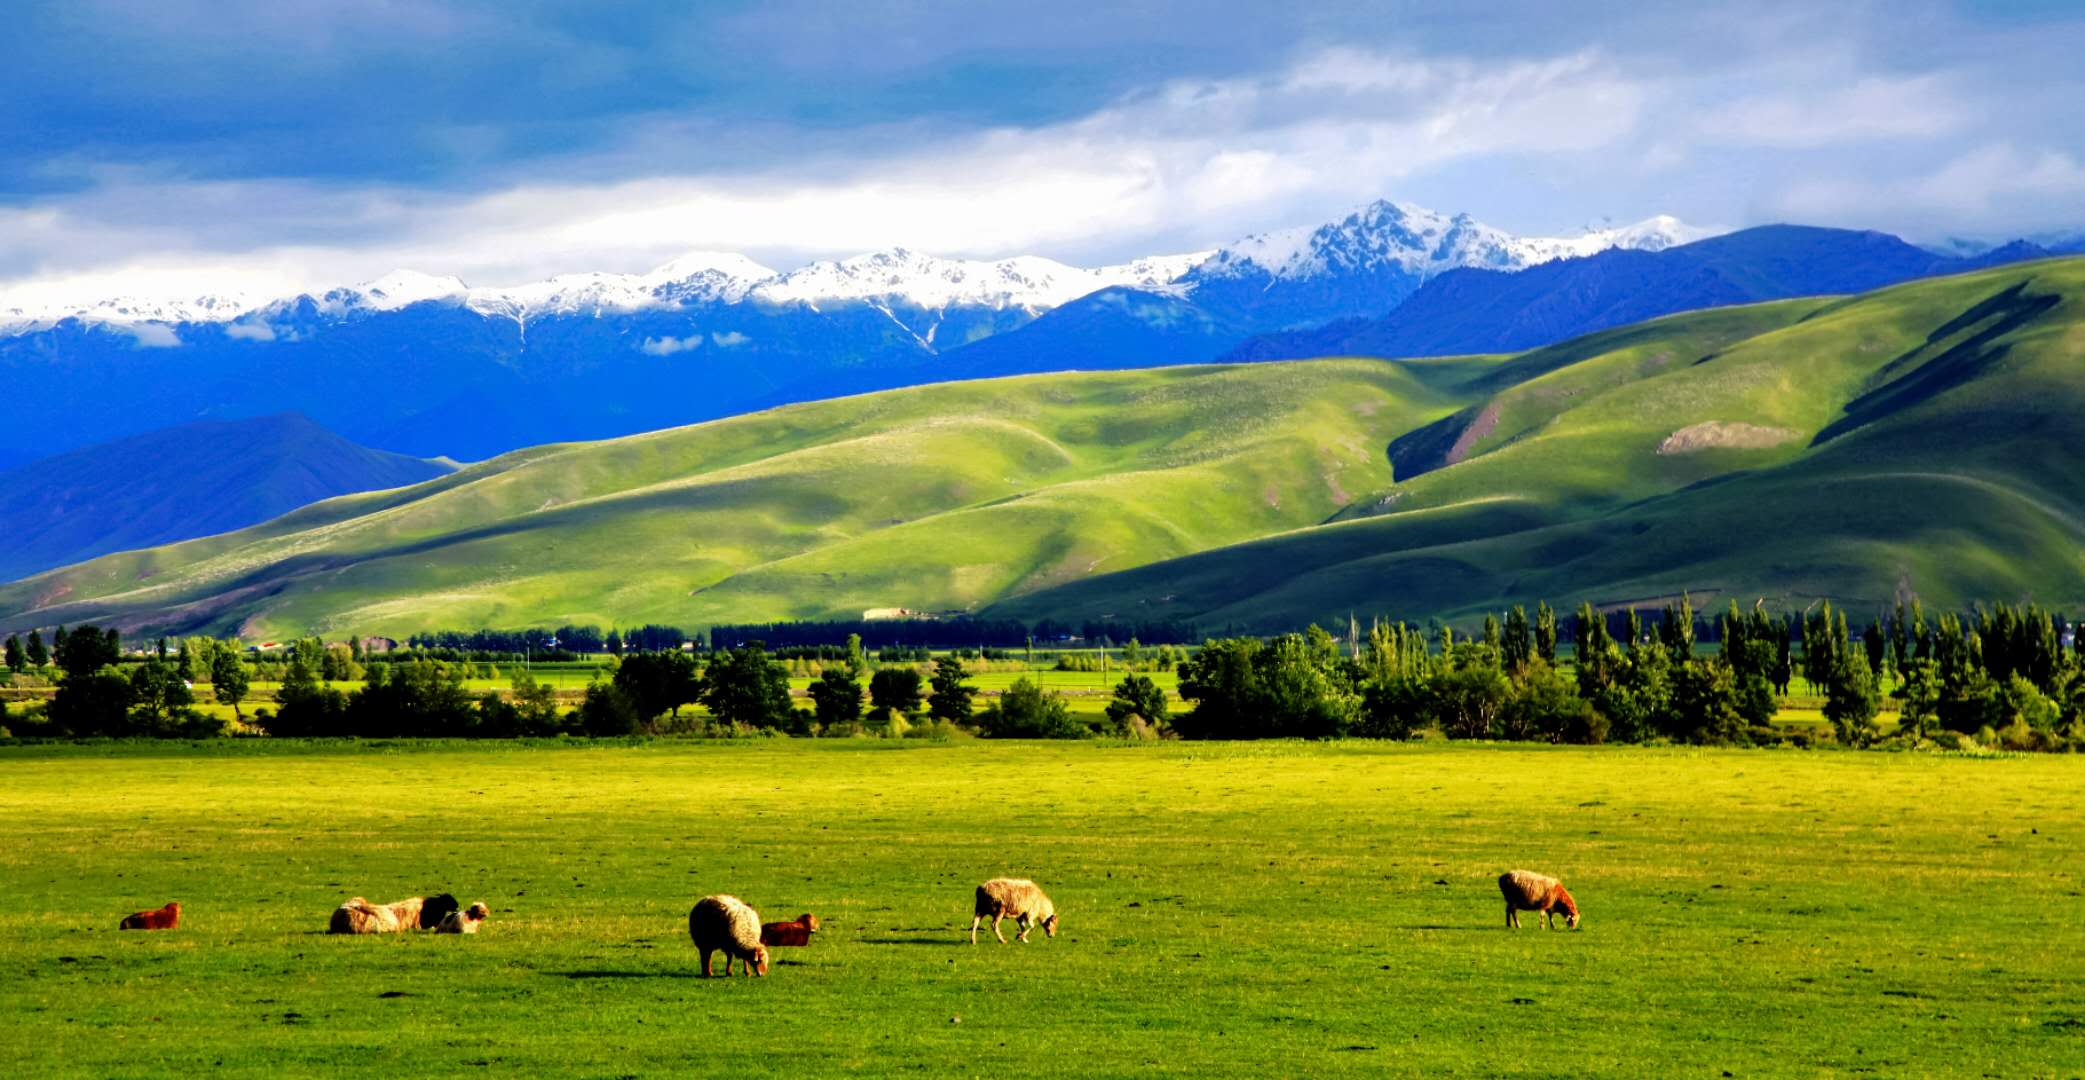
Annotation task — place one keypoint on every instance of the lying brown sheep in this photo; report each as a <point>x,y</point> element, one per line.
<point>725,924</point>
<point>465,921</point>
<point>796,933</point>
<point>1019,898</point>
<point>359,916</point>
<point>163,918</point>
<point>1528,891</point>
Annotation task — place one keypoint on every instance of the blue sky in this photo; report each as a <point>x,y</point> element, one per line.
<point>177,142</point>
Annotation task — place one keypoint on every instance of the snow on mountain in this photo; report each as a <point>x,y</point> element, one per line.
<point>397,289</point>
<point>1027,282</point>
<point>1381,236</point>
<point>1421,242</point>
<point>27,314</point>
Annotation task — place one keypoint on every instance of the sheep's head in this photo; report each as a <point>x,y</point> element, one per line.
<point>759,960</point>
<point>173,908</point>
<point>477,912</point>
<point>1049,925</point>
<point>810,922</point>
<point>1570,907</point>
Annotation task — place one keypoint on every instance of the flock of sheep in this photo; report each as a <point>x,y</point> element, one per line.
<point>729,925</point>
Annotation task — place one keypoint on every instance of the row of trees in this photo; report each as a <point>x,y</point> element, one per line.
<point>2003,678</point>
<point>100,696</point>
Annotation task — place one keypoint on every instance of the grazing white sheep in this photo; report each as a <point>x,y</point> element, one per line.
<point>1528,891</point>
<point>465,921</point>
<point>725,924</point>
<point>1018,898</point>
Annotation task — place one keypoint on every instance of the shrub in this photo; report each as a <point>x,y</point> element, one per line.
<point>1025,711</point>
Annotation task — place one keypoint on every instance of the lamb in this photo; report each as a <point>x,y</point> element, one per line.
<point>165,918</point>
<point>465,921</point>
<point>725,924</point>
<point>796,933</point>
<point>359,916</point>
<point>1527,891</point>
<point>1017,897</point>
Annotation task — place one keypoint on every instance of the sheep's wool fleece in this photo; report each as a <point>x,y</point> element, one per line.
<point>1527,889</point>
<point>726,923</point>
<point>1014,897</point>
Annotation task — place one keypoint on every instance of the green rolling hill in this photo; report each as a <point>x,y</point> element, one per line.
<point>1922,438</point>
<point>937,498</point>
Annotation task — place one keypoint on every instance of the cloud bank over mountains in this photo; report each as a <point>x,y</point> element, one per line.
<point>329,143</point>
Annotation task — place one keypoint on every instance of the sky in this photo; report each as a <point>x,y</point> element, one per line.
<point>170,146</point>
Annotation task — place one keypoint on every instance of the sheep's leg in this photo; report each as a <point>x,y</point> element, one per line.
<point>1511,920</point>
<point>708,958</point>
<point>1025,926</point>
<point>995,929</point>
<point>974,921</point>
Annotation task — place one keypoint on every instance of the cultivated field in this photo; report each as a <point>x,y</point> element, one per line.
<point>1269,909</point>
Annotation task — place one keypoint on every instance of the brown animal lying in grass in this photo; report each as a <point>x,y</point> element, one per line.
<point>359,916</point>
<point>165,918</point>
<point>1526,891</point>
<point>789,933</point>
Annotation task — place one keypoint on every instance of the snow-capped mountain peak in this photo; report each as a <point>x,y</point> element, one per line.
<point>1421,243</point>
<point>900,275</point>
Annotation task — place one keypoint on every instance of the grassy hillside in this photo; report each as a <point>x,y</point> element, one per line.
<point>1923,438</point>
<point>935,498</point>
<point>192,480</point>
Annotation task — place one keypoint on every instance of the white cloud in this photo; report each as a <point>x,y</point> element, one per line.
<point>1919,107</point>
<point>152,335</point>
<point>667,346</point>
<point>1997,188</point>
<point>1210,159</point>
<point>729,339</point>
<point>250,331</point>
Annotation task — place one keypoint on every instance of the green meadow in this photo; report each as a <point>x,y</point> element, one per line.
<point>1228,909</point>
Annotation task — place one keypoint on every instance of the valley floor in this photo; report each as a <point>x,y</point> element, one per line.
<point>1238,909</point>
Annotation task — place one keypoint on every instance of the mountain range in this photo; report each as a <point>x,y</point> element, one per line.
<point>428,366</point>
<point>193,480</point>
<point>1914,440</point>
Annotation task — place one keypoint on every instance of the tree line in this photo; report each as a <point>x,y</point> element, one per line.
<point>2004,676</point>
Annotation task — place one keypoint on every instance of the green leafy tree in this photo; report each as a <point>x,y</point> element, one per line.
<point>657,683</point>
<point>896,691</point>
<point>606,711</point>
<point>747,688</point>
<point>1516,645</point>
<point>951,699</point>
<point>17,660</point>
<point>38,655</point>
<point>1851,700</point>
<point>1704,703</point>
<point>836,696</point>
<point>1026,711</point>
<point>161,698</point>
<point>1546,633</point>
<point>535,705</point>
<point>1137,698</point>
<point>1545,705</point>
<point>228,677</point>
<point>87,650</point>
<point>1470,700</point>
<point>1920,690</point>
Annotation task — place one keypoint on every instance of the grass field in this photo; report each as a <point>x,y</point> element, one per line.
<point>1270,909</point>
